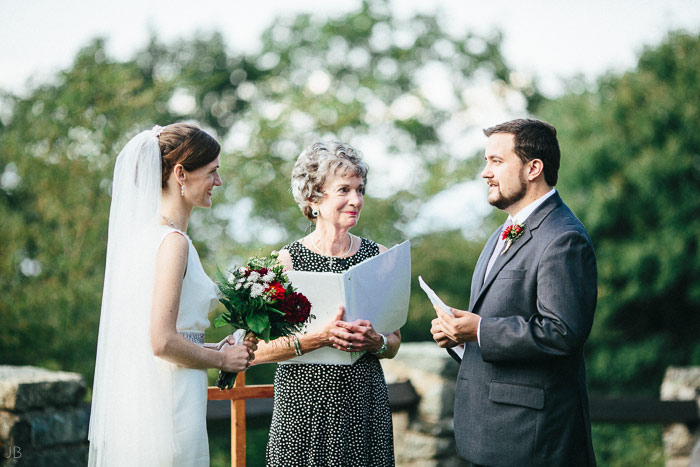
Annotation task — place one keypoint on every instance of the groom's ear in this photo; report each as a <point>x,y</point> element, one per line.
<point>535,168</point>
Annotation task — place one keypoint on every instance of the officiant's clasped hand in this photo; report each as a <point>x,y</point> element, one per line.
<point>358,336</point>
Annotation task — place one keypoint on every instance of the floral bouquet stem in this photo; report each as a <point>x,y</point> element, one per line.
<point>227,378</point>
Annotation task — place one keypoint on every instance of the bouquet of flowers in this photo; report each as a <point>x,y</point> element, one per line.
<point>260,299</point>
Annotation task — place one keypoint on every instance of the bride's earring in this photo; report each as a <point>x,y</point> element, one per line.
<point>314,212</point>
<point>182,190</point>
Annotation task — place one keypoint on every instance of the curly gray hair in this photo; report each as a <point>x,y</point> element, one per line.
<point>316,164</point>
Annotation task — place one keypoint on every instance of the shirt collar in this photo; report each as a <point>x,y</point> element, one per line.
<point>525,212</point>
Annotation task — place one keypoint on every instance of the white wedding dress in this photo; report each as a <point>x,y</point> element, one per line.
<point>189,388</point>
<point>146,411</point>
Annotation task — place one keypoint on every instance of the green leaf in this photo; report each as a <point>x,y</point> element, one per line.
<point>220,321</point>
<point>258,323</point>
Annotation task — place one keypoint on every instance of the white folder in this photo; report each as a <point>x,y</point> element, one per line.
<point>377,290</point>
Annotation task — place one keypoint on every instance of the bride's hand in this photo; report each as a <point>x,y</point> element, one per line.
<point>217,345</point>
<point>235,358</point>
<point>228,340</point>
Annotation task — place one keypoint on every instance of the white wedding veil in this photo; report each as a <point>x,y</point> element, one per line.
<point>131,422</point>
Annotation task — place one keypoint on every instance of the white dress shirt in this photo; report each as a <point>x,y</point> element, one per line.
<point>520,218</point>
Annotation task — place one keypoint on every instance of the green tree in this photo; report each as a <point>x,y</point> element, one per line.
<point>631,172</point>
<point>360,77</point>
<point>58,147</point>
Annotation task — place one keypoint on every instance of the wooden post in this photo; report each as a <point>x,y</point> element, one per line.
<point>238,426</point>
<point>237,395</point>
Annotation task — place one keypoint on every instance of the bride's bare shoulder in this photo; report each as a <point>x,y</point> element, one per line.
<point>174,245</point>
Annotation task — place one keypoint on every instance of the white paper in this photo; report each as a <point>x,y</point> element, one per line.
<point>435,300</point>
<point>377,290</point>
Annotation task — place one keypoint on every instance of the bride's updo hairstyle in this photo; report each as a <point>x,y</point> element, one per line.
<point>186,144</point>
<point>318,163</point>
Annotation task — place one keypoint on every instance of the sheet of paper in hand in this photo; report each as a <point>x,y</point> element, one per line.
<point>377,290</point>
<point>436,301</point>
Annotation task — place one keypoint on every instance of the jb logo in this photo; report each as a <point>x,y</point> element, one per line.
<point>13,452</point>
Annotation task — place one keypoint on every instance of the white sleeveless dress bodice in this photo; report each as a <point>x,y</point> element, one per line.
<point>198,297</point>
<point>189,390</point>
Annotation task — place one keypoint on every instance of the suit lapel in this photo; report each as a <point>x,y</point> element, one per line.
<point>503,259</point>
<point>531,224</point>
<point>481,264</point>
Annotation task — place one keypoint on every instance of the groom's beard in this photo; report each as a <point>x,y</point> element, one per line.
<point>502,201</point>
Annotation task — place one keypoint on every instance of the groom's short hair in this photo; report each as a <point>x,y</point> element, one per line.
<point>533,139</point>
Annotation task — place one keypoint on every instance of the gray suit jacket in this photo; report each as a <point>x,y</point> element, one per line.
<point>521,396</point>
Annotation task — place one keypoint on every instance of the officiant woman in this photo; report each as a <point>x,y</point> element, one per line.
<point>331,414</point>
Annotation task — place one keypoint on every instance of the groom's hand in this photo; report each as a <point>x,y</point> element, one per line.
<point>439,336</point>
<point>460,328</point>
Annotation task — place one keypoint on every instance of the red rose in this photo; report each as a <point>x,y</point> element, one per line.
<point>296,308</point>
<point>276,291</point>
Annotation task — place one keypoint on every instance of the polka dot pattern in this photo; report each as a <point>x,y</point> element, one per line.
<point>331,415</point>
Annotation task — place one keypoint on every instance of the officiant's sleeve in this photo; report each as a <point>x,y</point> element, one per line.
<point>551,315</point>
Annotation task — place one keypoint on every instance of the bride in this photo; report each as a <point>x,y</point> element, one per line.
<point>150,388</point>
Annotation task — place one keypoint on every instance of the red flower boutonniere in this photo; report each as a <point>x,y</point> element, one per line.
<point>511,234</point>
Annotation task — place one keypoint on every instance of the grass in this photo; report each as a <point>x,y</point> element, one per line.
<point>626,445</point>
<point>616,445</point>
<point>220,444</point>
<point>256,437</point>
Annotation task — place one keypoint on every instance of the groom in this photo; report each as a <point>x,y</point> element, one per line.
<point>521,391</point>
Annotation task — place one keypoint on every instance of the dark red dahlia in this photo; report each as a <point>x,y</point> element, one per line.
<point>261,271</point>
<point>296,308</point>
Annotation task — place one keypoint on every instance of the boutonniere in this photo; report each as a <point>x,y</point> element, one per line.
<point>511,234</point>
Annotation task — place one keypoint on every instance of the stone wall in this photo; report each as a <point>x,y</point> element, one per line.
<point>43,419</point>
<point>681,442</point>
<point>424,436</point>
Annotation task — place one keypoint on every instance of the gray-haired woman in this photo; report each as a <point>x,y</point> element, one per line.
<point>331,414</point>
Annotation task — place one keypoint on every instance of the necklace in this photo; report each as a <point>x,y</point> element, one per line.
<point>171,223</point>
<point>331,257</point>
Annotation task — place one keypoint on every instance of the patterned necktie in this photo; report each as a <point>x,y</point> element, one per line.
<point>499,247</point>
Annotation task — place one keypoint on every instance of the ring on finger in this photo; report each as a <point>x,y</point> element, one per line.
<point>350,346</point>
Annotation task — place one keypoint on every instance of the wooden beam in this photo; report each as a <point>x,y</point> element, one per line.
<point>401,396</point>
<point>256,391</point>
<point>635,410</point>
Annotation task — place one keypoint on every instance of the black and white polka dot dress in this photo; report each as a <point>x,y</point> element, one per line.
<point>331,415</point>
